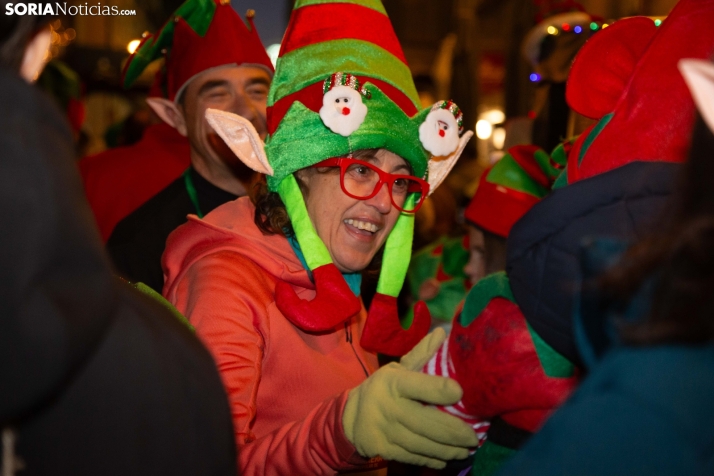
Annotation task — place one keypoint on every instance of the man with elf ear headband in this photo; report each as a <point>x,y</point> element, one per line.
<point>212,60</point>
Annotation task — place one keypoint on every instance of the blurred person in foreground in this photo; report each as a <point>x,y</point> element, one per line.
<point>96,378</point>
<point>645,328</point>
<point>212,60</point>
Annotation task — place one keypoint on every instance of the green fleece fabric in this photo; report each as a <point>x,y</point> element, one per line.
<point>490,458</point>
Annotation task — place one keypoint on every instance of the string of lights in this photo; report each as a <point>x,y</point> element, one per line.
<point>594,27</point>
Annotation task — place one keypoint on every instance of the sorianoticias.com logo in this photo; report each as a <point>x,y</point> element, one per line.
<point>58,8</point>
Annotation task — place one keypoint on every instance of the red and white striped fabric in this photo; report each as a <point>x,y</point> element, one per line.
<point>441,365</point>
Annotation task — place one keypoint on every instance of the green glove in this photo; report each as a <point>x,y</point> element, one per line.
<point>385,415</point>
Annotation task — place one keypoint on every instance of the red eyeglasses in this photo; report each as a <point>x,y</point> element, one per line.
<point>362,180</point>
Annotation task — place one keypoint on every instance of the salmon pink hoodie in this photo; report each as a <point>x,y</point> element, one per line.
<point>287,387</point>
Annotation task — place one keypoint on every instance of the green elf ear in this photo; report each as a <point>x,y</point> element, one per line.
<point>334,301</point>
<point>242,138</point>
<point>383,333</point>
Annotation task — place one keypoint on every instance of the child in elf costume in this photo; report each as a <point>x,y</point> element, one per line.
<point>272,285</point>
<point>506,191</point>
<point>512,346</point>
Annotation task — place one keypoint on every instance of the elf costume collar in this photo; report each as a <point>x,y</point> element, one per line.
<point>201,35</point>
<point>342,86</point>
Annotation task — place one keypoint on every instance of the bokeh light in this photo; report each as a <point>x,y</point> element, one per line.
<point>484,129</point>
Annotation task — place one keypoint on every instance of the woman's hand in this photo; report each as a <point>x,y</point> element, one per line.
<point>386,416</point>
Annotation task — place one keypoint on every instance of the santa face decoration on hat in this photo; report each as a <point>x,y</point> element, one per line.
<point>343,111</point>
<point>439,133</point>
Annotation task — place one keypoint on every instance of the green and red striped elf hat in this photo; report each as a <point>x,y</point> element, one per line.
<point>355,38</point>
<point>509,188</point>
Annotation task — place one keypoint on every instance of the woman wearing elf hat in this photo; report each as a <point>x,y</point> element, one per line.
<point>272,286</point>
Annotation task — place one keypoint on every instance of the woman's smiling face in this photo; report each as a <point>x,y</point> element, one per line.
<point>353,230</point>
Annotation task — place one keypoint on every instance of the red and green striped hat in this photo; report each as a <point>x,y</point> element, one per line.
<point>355,39</point>
<point>509,188</point>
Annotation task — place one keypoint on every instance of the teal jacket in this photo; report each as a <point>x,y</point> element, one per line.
<point>640,411</point>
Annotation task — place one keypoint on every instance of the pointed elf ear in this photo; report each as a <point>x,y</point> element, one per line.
<point>242,138</point>
<point>699,76</point>
<point>170,113</point>
<point>439,169</point>
<point>343,111</point>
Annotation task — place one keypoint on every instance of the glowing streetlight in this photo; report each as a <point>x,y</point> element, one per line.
<point>499,138</point>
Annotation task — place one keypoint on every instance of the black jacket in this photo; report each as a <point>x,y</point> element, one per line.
<point>138,241</point>
<point>543,262</point>
<point>95,379</point>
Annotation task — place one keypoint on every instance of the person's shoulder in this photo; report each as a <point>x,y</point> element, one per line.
<point>232,265</point>
<point>664,373</point>
<point>645,410</point>
<point>665,385</point>
<point>30,112</point>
